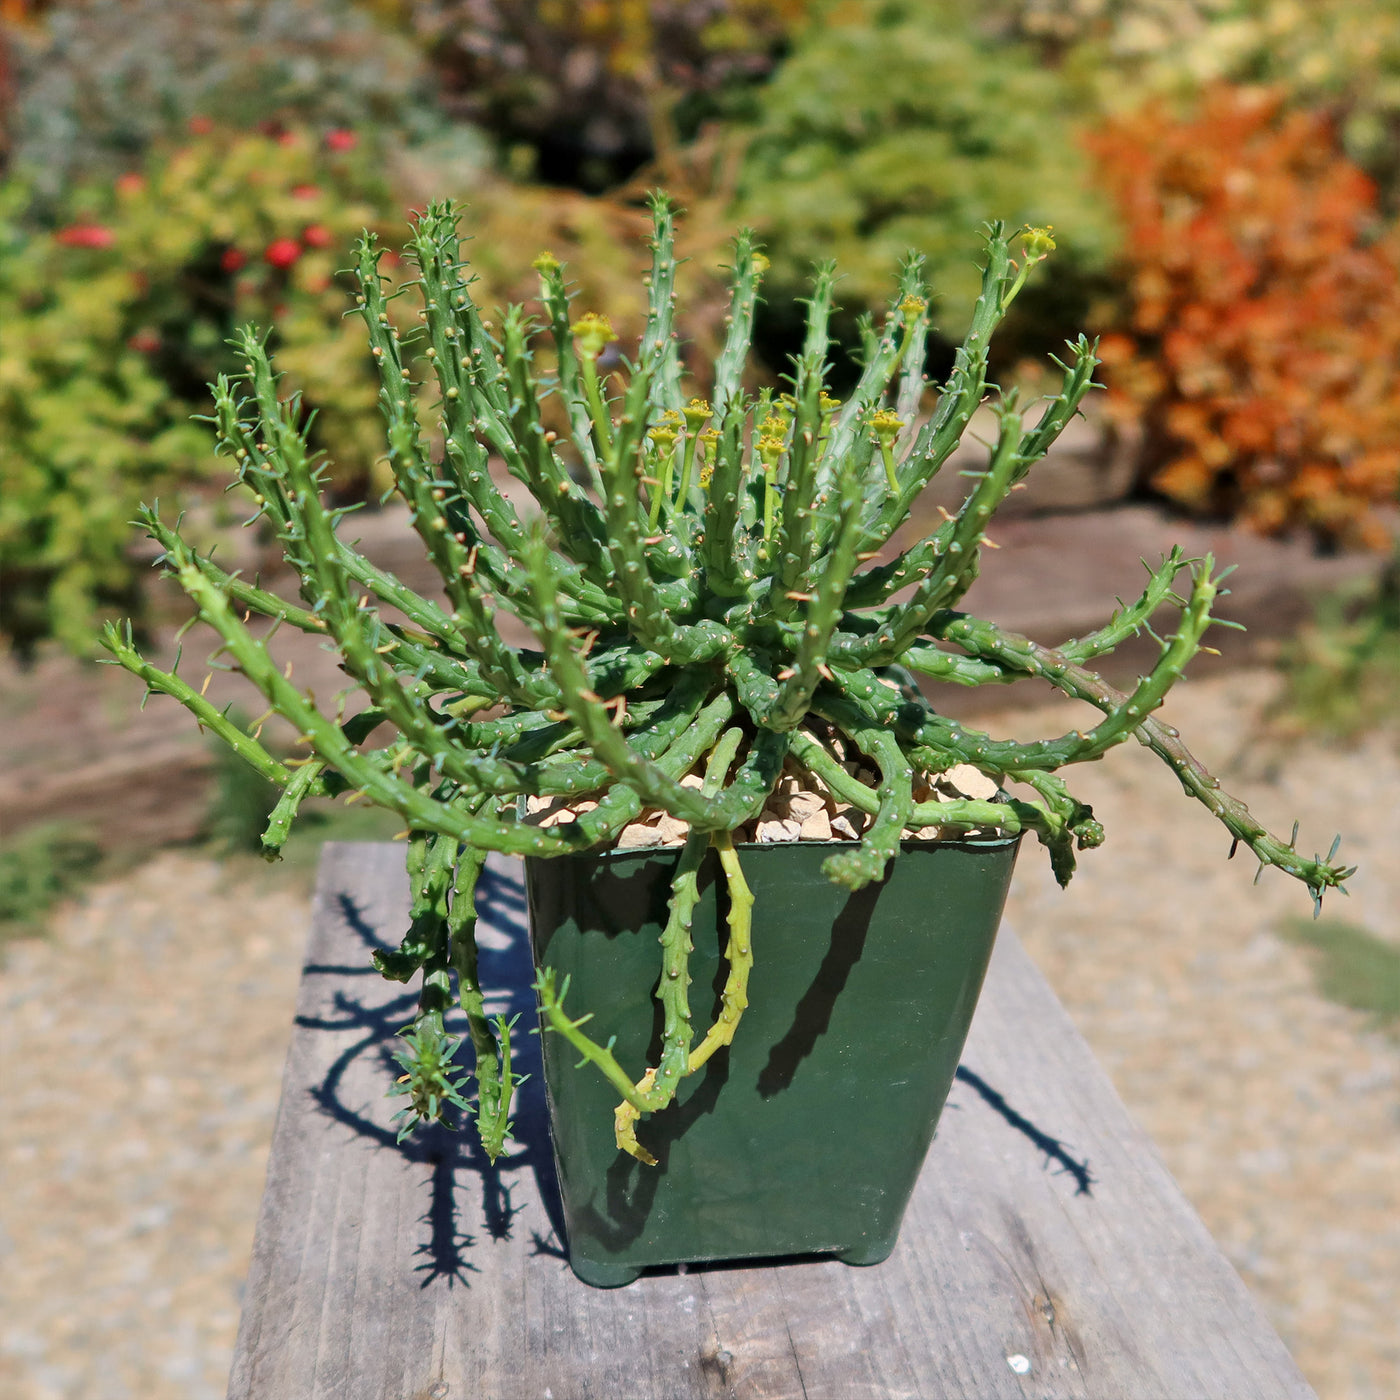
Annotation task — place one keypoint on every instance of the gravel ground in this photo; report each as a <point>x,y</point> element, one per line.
<point>143,1043</point>
<point>142,1048</point>
<point>1277,1111</point>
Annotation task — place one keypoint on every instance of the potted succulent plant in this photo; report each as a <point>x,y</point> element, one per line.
<point>714,758</point>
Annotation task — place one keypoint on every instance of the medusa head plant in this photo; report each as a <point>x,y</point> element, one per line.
<point>699,579</point>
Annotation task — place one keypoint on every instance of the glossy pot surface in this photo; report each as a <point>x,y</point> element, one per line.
<point>808,1133</point>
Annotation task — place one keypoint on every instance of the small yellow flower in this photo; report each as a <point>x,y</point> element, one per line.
<point>696,413</point>
<point>594,333</point>
<point>776,424</point>
<point>911,308</point>
<point>770,448</point>
<point>546,264</point>
<point>885,426</point>
<point>1038,243</point>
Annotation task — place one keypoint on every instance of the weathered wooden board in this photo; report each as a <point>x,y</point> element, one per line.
<point>1047,1252</point>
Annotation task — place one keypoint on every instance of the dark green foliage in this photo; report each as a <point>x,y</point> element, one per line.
<point>698,581</point>
<point>596,88</point>
<point>903,126</point>
<point>1354,967</point>
<point>37,869</point>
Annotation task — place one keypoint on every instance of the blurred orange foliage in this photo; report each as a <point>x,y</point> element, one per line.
<point>1262,348</point>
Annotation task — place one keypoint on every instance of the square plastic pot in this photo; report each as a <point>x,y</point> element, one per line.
<point>806,1135</point>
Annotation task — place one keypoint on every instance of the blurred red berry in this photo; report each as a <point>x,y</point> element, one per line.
<point>316,236</point>
<point>201,126</point>
<point>286,138</point>
<point>86,236</point>
<point>233,259</point>
<point>146,341</point>
<point>305,191</point>
<point>341,140</point>
<point>130,183</point>
<point>282,252</point>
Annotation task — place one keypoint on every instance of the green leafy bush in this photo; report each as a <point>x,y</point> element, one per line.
<point>114,323</point>
<point>37,869</point>
<point>1341,671</point>
<point>902,125</point>
<point>1353,967</point>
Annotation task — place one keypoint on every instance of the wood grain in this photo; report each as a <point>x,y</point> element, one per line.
<point>1047,1252</point>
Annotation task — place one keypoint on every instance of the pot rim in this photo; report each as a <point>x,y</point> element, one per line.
<point>996,842</point>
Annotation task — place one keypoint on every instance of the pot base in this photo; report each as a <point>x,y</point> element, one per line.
<point>603,1275</point>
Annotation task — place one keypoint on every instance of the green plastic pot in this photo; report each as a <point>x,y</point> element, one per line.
<point>806,1135</point>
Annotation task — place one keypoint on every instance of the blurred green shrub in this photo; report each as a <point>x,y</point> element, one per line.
<point>1341,672</point>
<point>902,125</point>
<point>37,869</point>
<point>115,321</point>
<point>1353,967</point>
<point>99,81</point>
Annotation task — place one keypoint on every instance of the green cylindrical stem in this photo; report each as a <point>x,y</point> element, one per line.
<point>880,842</point>
<point>746,273</point>
<point>209,716</point>
<point>658,346</point>
<point>304,781</point>
<point>738,953</point>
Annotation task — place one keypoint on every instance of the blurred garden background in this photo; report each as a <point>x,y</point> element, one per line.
<point>1223,181</point>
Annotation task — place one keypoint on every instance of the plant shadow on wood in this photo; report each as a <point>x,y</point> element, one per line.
<point>813,1016</point>
<point>452,1155</point>
<point>1053,1148</point>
